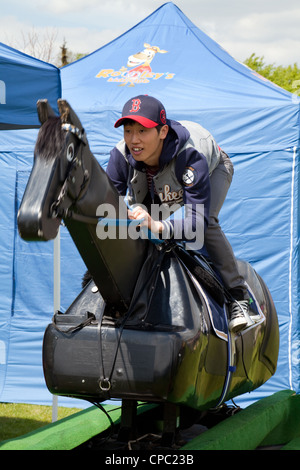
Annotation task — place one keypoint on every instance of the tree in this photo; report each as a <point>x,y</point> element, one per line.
<point>44,47</point>
<point>285,77</point>
<point>41,47</point>
<point>64,54</point>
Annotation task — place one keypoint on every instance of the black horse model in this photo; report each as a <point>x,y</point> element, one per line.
<point>151,324</point>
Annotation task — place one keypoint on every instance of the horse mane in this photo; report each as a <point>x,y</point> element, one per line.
<point>50,139</point>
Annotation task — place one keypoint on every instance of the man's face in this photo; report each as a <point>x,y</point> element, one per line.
<point>145,145</point>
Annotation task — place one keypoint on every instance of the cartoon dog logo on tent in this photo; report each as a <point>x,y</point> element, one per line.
<point>141,63</point>
<point>139,71</point>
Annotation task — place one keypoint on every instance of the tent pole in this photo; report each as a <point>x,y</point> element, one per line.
<point>56,303</point>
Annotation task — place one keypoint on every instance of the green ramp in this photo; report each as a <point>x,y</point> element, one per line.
<point>70,432</point>
<point>271,421</point>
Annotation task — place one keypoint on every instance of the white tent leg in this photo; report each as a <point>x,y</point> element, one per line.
<point>56,303</point>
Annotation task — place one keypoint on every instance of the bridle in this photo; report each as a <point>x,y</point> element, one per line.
<point>70,193</point>
<point>76,131</point>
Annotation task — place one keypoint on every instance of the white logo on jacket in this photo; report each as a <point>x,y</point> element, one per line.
<point>188,176</point>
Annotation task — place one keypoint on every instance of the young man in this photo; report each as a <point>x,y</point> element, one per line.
<point>158,163</point>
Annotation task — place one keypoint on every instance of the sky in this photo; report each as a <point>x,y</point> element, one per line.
<point>268,28</point>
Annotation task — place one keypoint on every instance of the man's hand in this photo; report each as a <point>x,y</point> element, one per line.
<point>139,213</point>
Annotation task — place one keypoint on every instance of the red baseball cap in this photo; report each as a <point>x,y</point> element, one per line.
<point>144,109</point>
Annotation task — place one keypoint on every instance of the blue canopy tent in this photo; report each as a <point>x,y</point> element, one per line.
<point>26,269</point>
<point>256,123</point>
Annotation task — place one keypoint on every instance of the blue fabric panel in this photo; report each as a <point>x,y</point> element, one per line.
<point>23,81</point>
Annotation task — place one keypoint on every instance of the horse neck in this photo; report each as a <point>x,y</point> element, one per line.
<point>99,189</point>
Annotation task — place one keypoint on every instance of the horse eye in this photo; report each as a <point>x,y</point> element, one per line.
<point>70,152</point>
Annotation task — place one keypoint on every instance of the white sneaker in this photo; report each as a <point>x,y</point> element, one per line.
<point>239,315</point>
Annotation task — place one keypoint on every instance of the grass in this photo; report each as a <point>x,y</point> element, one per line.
<point>17,419</point>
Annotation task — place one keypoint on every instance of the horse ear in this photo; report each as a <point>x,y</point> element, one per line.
<point>67,115</point>
<point>44,111</point>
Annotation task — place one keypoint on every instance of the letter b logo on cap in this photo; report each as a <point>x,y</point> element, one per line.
<point>136,104</point>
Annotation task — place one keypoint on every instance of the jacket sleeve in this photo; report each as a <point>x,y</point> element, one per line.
<point>117,170</point>
<point>192,172</point>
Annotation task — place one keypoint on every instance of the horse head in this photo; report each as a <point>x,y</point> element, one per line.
<point>52,187</point>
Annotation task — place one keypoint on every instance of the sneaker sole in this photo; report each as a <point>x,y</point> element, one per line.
<point>237,325</point>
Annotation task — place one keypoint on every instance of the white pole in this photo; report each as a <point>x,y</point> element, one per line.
<point>56,303</point>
